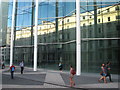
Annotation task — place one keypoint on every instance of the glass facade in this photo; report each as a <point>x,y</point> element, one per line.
<point>100,32</point>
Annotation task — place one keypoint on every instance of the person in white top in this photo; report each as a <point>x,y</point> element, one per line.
<point>22,66</point>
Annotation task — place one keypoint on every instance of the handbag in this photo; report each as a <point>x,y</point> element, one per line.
<point>73,72</point>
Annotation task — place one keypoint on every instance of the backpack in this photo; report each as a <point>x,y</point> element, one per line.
<point>12,69</point>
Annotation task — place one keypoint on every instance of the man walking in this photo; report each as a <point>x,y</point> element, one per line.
<point>12,69</point>
<point>22,66</point>
<point>108,70</point>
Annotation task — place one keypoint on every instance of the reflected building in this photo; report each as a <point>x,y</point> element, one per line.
<point>99,45</point>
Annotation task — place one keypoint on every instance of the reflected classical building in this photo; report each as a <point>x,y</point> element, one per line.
<point>99,45</point>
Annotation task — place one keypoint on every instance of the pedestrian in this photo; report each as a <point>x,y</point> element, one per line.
<point>60,66</point>
<point>72,73</point>
<point>108,70</point>
<point>22,66</point>
<point>12,69</point>
<point>103,73</point>
<point>3,64</point>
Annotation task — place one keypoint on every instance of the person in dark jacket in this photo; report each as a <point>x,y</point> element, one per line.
<point>108,70</point>
<point>60,66</point>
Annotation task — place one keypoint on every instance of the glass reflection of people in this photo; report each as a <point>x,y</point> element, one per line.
<point>60,66</point>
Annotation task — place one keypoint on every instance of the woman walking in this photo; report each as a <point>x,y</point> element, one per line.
<point>104,73</point>
<point>72,73</point>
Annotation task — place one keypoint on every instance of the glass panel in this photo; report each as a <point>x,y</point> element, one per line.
<point>56,26</point>
<point>23,44</point>
<point>99,31</point>
<point>57,33</point>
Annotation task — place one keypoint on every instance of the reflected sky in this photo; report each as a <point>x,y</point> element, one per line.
<point>47,8</point>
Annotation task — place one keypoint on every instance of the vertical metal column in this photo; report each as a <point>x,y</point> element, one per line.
<point>35,35</point>
<point>56,21</point>
<point>95,34</point>
<point>95,19</point>
<point>12,32</point>
<point>78,39</point>
<point>32,23</point>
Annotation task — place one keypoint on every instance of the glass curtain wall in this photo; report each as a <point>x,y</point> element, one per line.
<point>23,32</point>
<point>56,30</point>
<point>99,25</point>
<point>100,34</point>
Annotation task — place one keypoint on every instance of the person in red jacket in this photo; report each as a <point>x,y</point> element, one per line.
<point>12,69</point>
<point>72,73</point>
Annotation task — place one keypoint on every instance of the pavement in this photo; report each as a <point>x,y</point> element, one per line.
<point>43,78</point>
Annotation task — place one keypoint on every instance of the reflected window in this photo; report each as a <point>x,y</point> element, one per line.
<point>67,27</point>
<point>84,25</point>
<point>68,36</point>
<point>108,10</point>
<point>99,29</point>
<point>108,18</point>
<point>68,20</point>
<point>118,17</point>
<point>90,33</point>
<point>117,8</point>
<point>117,27</point>
<point>90,16</point>
<point>83,17</point>
<point>98,20</point>
<point>44,39</point>
<point>99,12</point>
<point>90,23</point>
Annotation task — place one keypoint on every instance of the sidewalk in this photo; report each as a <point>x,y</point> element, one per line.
<point>53,79</point>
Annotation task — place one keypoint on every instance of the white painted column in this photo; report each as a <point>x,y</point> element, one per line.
<point>12,32</point>
<point>35,35</point>
<point>78,39</point>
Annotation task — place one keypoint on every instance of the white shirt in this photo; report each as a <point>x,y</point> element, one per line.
<point>21,64</point>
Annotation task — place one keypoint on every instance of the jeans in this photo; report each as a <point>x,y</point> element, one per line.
<point>22,68</point>
<point>12,72</point>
